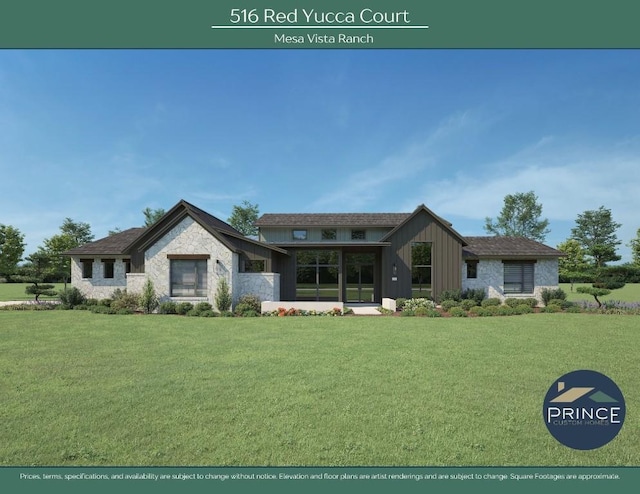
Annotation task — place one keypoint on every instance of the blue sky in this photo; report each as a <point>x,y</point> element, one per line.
<point>100,135</point>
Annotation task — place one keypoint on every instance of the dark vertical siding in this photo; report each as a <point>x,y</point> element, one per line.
<point>446,257</point>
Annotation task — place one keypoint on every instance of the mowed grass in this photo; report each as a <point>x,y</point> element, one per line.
<point>16,291</point>
<point>87,389</point>
<point>628,293</point>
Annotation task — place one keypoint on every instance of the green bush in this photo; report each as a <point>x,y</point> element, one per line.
<point>208,313</point>
<point>449,304</point>
<point>123,300</point>
<point>451,295</point>
<point>552,308</point>
<point>203,307</point>
<point>182,308</point>
<point>91,301</point>
<point>105,302</point>
<point>248,306</point>
<point>477,294</point>
<point>548,294</point>
<point>102,309</point>
<point>504,310</point>
<point>408,313</point>
<point>458,312</point>
<point>563,304</point>
<point>426,312</point>
<point>223,296</point>
<point>477,311</point>
<point>466,304</point>
<point>148,299</point>
<point>522,309</point>
<point>400,303</point>
<point>491,302</point>
<point>168,307</point>
<point>72,297</point>
<point>574,309</point>
<point>514,302</point>
<point>492,310</point>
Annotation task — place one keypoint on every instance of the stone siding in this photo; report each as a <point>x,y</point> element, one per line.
<point>98,286</point>
<point>491,278</point>
<point>264,285</point>
<point>188,237</point>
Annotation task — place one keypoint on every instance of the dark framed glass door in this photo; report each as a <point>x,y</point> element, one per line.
<point>360,279</point>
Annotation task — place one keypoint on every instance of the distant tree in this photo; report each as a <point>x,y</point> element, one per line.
<point>35,271</point>
<point>596,232</point>
<point>72,234</point>
<point>243,218</point>
<point>520,217</point>
<point>574,263</point>
<point>151,216</point>
<point>115,231</point>
<point>11,249</point>
<point>635,249</point>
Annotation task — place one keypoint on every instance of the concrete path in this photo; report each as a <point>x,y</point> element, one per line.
<point>364,309</point>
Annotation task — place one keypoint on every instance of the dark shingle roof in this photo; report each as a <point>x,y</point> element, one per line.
<point>112,245</point>
<point>505,247</point>
<point>332,219</point>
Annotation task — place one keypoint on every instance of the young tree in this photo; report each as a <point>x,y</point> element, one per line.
<point>151,216</point>
<point>243,218</point>
<point>35,271</point>
<point>520,217</point>
<point>595,230</point>
<point>72,234</point>
<point>574,263</point>
<point>11,249</point>
<point>635,249</point>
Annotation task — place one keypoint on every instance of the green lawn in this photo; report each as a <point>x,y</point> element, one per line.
<point>87,389</point>
<point>15,291</point>
<point>628,293</point>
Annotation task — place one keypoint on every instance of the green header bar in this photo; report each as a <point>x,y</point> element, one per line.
<point>312,24</point>
<point>372,480</point>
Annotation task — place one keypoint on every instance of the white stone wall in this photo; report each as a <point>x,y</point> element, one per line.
<point>491,278</point>
<point>98,286</point>
<point>188,237</point>
<point>264,285</point>
<point>135,282</point>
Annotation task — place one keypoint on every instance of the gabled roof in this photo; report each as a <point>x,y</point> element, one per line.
<point>116,244</point>
<point>388,220</point>
<point>424,209</point>
<point>507,247</point>
<point>141,238</point>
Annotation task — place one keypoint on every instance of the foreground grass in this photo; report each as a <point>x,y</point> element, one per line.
<point>16,291</point>
<point>87,389</point>
<point>628,293</point>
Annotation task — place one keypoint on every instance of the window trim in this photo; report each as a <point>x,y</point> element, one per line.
<point>112,269</point>
<point>526,279</point>
<point>173,258</point>
<point>472,269</point>
<point>300,234</point>
<point>86,268</point>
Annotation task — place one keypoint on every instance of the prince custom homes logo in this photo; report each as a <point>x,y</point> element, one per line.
<point>584,409</point>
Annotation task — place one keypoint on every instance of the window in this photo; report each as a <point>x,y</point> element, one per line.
<point>188,277</point>
<point>472,269</point>
<point>358,235</point>
<point>253,266</point>
<point>87,268</point>
<point>317,274</point>
<point>108,267</point>
<point>421,269</point>
<point>329,234</point>
<point>518,277</point>
<point>299,234</point>
<point>127,265</point>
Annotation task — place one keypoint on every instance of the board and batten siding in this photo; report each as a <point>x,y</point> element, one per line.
<point>314,234</point>
<point>446,257</point>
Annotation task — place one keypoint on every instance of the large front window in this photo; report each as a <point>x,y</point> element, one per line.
<point>518,277</point>
<point>421,269</point>
<point>188,277</point>
<point>317,275</point>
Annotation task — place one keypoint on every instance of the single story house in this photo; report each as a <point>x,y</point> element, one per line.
<point>345,257</point>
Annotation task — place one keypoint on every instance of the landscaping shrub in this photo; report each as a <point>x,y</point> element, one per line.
<point>477,294</point>
<point>71,297</point>
<point>563,304</point>
<point>408,313</point>
<point>491,310</point>
<point>123,300</point>
<point>574,309</point>
<point>415,303</point>
<point>477,311</point>
<point>451,295</point>
<point>552,308</point>
<point>208,313</point>
<point>182,308</point>
<point>105,302</point>
<point>522,309</point>
<point>223,296</point>
<point>248,306</point>
<point>168,307</point>
<point>466,304</point>
<point>400,303</point>
<point>203,307</point>
<point>504,310</point>
<point>148,299</point>
<point>426,312</point>
<point>458,312</point>
<point>491,302</point>
<point>449,304</point>
<point>548,294</point>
